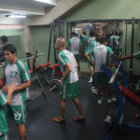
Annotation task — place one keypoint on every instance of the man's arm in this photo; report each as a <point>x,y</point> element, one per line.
<point>76,63</point>
<point>87,56</point>
<point>68,69</point>
<point>125,57</point>
<point>81,31</point>
<point>23,85</point>
<point>11,89</point>
<point>26,78</point>
<point>101,30</point>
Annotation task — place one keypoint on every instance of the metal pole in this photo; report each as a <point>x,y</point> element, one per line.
<point>62,30</point>
<point>125,43</point>
<point>59,27</point>
<point>132,46</point>
<point>50,40</point>
<point>67,26</point>
<point>54,30</point>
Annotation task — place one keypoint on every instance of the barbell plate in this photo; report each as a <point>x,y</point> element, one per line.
<point>55,86</point>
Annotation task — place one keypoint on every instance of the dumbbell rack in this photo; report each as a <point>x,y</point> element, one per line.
<point>34,94</point>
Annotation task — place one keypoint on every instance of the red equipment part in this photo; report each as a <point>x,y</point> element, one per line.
<point>30,71</point>
<point>59,72</point>
<point>41,66</point>
<point>130,95</point>
<point>1,84</point>
<point>137,116</point>
<point>54,66</point>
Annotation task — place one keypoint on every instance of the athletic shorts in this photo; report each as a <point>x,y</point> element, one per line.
<point>77,58</point>
<point>101,79</point>
<point>69,91</point>
<point>18,113</point>
<point>4,137</point>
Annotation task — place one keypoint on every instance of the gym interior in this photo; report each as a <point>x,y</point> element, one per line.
<point>38,29</point>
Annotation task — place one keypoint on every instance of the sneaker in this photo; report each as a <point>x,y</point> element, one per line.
<point>79,119</point>
<point>93,87</point>
<point>100,101</point>
<point>90,80</point>
<point>109,101</point>
<point>114,98</point>
<point>58,120</point>
<point>94,90</point>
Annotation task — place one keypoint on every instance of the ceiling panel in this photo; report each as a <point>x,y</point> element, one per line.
<point>26,7</point>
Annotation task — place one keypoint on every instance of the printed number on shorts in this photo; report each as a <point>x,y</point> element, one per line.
<point>17,117</point>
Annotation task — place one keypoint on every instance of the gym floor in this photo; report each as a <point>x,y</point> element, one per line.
<point>40,112</point>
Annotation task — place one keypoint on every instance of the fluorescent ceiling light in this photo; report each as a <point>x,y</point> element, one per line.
<point>46,1</point>
<point>21,12</point>
<point>15,16</point>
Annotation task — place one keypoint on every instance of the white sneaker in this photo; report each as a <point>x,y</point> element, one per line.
<point>93,87</point>
<point>109,101</point>
<point>94,90</point>
<point>90,80</point>
<point>100,101</point>
<point>114,98</point>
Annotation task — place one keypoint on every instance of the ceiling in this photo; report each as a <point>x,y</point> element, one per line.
<point>25,7</point>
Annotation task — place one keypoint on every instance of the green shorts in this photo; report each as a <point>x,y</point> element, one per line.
<point>77,58</point>
<point>18,113</point>
<point>101,79</point>
<point>89,63</point>
<point>4,137</point>
<point>116,50</point>
<point>69,91</point>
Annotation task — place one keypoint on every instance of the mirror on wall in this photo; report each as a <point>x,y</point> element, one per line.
<point>113,31</point>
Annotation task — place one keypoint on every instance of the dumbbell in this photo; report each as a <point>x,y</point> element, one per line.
<point>55,86</point>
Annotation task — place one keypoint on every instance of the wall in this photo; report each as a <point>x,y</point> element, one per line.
<point>41,42</point>
<point>15,37</point>
<point>106,9</point>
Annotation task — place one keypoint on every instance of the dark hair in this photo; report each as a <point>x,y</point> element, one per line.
<point>116,33</point>
<point>103,40</point>
<point>98,38</point>
<point>84,33</point>
<point>73,34</point>
<point>11,48</point>
<point>92,33</point>
<point>139,44</point>
<point>4,38</point>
